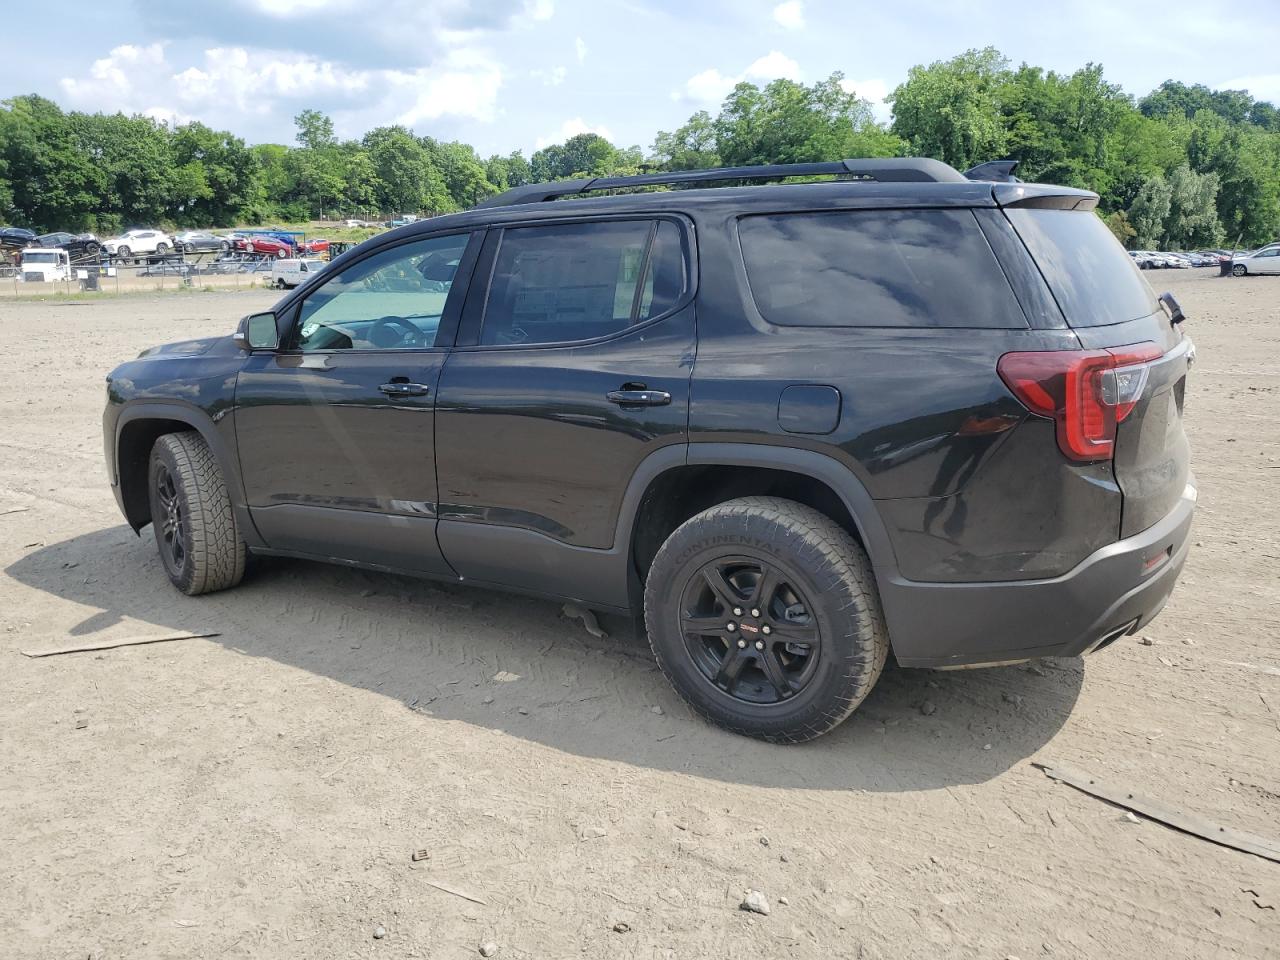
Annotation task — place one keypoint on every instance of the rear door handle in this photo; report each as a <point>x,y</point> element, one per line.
<point>639,398</point>
<point>395,389</point>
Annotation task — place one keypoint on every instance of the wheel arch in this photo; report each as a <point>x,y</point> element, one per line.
<point>668,488</point>
<point>137,429</point>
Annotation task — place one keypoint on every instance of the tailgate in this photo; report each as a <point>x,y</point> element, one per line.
<point>1109,305</point>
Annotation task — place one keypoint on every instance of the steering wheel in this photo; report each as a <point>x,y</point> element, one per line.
<point>390,332</point>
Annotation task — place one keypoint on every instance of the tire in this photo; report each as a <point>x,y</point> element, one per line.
<point>813,652</point>
<point>123,253</point>
<point>161,249</point>
<point>187,248</point>
<point>224,246</point>
<point>1239,270</point>
<point>195,527</point>
<point>91,249</point>
<point>281,254</point>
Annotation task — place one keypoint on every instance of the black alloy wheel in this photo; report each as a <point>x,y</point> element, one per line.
<point>748,628</point>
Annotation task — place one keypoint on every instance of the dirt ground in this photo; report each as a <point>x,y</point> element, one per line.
<point>260,794</point>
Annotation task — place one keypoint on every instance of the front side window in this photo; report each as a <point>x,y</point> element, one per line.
<point>392,300</point>
<point>580,281</point>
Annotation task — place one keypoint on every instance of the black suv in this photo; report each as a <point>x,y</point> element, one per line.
<point>799,425</point>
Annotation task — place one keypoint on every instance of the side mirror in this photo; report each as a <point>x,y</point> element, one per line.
<point>258,332</point>
<point>1170,304</point>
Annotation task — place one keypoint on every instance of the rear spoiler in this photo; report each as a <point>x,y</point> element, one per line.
<point>997,171</point>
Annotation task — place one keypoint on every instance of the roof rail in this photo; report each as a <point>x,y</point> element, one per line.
<point>884,170</point>
<point>1000,171</point>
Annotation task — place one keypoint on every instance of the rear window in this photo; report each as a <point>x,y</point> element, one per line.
<point>571,282</point>
<point>1087,270</point>
<point>876,268</point>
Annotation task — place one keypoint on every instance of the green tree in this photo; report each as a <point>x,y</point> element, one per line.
<point>1149,211</point>
<point>53,182</point>
<point>1193,213</point>
<point>408,182</point>
<point>315,130</point>
<point>951,109</point>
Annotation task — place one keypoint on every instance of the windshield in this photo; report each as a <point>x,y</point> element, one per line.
<point>51,257</point>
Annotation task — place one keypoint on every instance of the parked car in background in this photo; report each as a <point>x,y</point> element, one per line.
<point>15,238</point>
<point>40,264</point>
<point>314,246</point>
<point>1266,260</point>
<point>133,243</point>
<point>288,273</point>
<point>1144,259</point>
<point>78,245</point>
<point>198,241</point>
<point>269,246</point>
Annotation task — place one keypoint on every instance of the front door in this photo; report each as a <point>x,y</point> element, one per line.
<point>578,369</point>
<point>336,429</point>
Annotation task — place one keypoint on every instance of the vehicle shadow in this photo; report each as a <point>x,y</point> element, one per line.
<point>517,664</point>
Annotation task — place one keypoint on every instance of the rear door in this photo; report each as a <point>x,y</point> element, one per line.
<point>1110,305</point>
<point>572,366</point>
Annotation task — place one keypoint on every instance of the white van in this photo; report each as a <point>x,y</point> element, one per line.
<point>45,265</point>
<point>289,273</point>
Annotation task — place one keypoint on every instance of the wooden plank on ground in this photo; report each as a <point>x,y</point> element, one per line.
<point>111,644</point>
<point>1191,823</point>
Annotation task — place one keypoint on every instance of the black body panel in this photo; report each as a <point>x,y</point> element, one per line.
<point>526,466</point>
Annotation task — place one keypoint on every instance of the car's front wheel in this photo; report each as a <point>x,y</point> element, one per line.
<point>1239,270</point>
<point>195,526</point>
<point>161,249</point>
<point>764,615</point>
<point>123,253</point>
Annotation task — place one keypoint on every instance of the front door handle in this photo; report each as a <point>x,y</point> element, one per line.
<point>398,389</point>
<point>639,398</point>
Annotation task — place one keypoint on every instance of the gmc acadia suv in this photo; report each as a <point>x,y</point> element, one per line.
<point>799,425</point>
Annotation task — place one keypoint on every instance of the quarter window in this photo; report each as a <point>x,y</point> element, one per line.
<point>392,300</point>
<point>876,268</point>
<point>580,281</point>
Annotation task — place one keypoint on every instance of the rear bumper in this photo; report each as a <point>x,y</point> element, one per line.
<point>1116,590</point>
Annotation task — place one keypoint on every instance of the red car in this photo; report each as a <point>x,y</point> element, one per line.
<point>270,246</point>
<point>315,246</point>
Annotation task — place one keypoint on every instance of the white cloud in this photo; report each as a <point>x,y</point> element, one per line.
<point>571,128</point>
<point>875,90</point>
<point>580,47</point>
<point>712,86</point>
<point>789,15</point>
<point>1263,86</point>
<point>233,81</point>
<point>550,78</point>
<point>540,9</point>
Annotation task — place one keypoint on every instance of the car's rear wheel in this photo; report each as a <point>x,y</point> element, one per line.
<point>123,252</point>
<point>1239,270</point>
<point>162,249</point>
<point>224,246</point>
<point>764,615</point>
<point>91,248</point>
<point>195,527</point>
<point>188,248</point>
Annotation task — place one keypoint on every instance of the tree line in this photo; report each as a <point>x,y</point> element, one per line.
<point>1182,167</point>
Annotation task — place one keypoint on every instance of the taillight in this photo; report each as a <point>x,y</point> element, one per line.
<point>1085,392</point>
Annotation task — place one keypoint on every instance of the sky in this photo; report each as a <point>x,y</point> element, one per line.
<point>520,74</point>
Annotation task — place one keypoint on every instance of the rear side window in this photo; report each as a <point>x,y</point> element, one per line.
<point>580,281</point>
<point>1094,281</point>
<point>876,268</point>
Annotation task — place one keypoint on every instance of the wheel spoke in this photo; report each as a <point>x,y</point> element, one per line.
<point>794,632</point>
<point>705,626</point>
<point>725,591</point>
<point>730,668</point>
<point>772,668</point>
<point>766,587</point>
